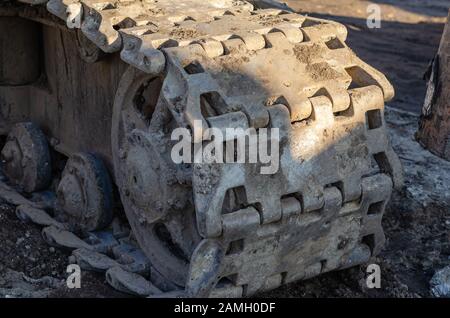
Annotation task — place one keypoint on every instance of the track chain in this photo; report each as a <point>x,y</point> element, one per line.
<point>337,104</point>
<point>112,251</point>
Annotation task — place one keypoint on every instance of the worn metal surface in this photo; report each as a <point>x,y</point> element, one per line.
<point>269,68</point>
<point>26,158</point>
<point>85,192</point>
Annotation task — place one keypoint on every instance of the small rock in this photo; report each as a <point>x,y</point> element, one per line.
<point>20,240</point>
<point>52,250</point>
<point>440,283</point>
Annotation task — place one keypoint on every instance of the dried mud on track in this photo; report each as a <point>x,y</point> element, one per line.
<point>29,267</point>
<point>417,226</point>
<point>417,221</point>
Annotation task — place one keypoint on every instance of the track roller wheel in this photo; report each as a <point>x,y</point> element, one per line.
<point>157,201</point>
<point>85,192</point>
<point>26,157</point>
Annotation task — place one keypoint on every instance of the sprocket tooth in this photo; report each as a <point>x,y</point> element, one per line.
<point>59,7</point>
<point>99,28</point>
<point>146,58</point>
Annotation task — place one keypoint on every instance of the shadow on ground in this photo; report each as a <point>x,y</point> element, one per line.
<point>435,8</point>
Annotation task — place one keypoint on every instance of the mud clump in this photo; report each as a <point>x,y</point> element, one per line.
<point>207,177</point>
<point>183,33</point>
<point>307,53</point>
<point>322,72</point>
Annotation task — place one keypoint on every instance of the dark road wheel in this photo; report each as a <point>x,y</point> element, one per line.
<point>85,192</point>
<point>26,157</point>
<point>158,204</point>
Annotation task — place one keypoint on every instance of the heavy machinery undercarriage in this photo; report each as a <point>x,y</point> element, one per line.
<point>105,83</point>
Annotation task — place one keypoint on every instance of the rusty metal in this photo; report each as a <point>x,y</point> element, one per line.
<point>252,68</point>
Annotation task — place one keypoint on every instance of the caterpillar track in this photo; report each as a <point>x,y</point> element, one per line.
<point>104,84</point>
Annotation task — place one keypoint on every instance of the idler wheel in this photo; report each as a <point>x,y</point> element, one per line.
<point>85,192</point>
<point>26,158</point>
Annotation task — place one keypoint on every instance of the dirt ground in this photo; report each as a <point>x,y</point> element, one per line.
<point>25,257</point>
<point>417,227</point>
<point>417,221</point>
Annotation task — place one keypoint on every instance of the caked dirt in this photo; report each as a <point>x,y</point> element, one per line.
<point>417,221</point>
<point>417,227</point>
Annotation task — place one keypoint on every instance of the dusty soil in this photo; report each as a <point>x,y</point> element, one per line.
<point>417,221</point>
<point>25,257</point>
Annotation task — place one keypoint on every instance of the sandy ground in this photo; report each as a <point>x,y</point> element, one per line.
<point>417,221</point>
